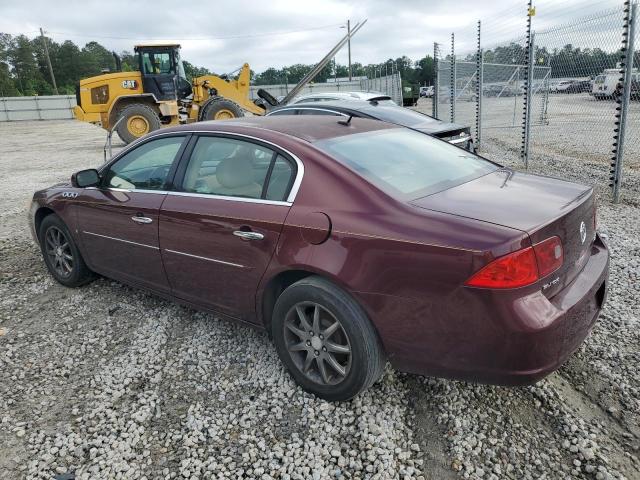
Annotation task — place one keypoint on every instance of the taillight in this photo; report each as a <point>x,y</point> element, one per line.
<point>549,255</point>
<point>521,268</point>
<point>514,270</point>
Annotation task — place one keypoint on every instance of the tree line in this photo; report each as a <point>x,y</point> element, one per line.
<point>24,70</point>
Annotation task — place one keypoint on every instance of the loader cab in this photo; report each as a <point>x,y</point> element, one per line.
<point>162,71</point>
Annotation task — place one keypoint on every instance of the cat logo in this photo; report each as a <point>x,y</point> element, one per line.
<point>130,84</point>
<point>69,194</point>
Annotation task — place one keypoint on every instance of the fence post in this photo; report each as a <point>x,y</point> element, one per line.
<point>545,99</point>
<point>452,86</point>
<point>436,82</point>
<point>6,110</point>
<point>38,107</point>
<point>394,69</point>
<point>479,91</point>
<point>386,79</point>
<point>69,98</point>
<point>526,125</point>
<point>627,53</point>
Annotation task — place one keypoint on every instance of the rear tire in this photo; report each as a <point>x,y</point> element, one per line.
<point>221,109</point>
<point>138,119</point>
<point>61,254</point>
<point>338,335</point>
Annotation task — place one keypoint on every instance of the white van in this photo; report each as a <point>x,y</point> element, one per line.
<point>605,84</point>
<point>426,91</point>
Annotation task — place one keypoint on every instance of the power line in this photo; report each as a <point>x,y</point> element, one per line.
<point>230,37</point>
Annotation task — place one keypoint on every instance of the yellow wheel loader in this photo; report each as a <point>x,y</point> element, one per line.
<point>159,95</point>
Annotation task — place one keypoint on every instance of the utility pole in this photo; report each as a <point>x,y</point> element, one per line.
<point>46,54</point>
<point>349,46</point>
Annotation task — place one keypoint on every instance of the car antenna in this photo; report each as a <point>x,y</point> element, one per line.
<point>346,122</point>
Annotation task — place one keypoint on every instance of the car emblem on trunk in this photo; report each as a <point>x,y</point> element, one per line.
<point>583,232</point>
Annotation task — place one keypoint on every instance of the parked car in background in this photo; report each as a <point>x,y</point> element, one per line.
<point>580,86</point>
<point>500,90</point>
<point>329,96</point>
<point>453,133</point>
<point>427,91</point>
<point>352,243</point>
<point>560,87</point>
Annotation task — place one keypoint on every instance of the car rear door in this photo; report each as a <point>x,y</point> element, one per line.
<point>219,229</point>
<point>118,221</point>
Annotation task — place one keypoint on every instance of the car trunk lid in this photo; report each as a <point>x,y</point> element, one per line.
<point>542,207</point>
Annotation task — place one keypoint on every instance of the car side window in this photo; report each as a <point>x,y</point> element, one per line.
<point>229,167</point>
<point>146,167</point>
<point>280,180</point>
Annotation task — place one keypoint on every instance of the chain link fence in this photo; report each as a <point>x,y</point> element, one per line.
<point>576,103</point>
<point>547,90</point>
<point>390,84</point>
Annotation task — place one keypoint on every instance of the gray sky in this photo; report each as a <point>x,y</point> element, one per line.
<point>306,30</point>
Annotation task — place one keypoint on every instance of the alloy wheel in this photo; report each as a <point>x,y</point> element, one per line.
<point>58,250</point>
<point>317,343</point>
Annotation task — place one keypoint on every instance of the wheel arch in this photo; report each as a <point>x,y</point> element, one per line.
<point>279,282</point>
<point>273,288</point>
<point>39,216</point>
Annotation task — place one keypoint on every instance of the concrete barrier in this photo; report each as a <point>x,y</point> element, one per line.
<point>54,107</point>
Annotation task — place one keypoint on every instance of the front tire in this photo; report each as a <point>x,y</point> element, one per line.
<point>61,254</point>
<point>325,340</point>
<point>138,119</point>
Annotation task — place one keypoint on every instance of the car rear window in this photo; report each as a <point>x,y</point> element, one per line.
<point>404,163</point>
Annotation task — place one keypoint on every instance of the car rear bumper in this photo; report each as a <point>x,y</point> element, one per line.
<point>501,337</point>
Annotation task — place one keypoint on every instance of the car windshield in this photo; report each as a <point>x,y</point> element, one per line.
<point>404,163</point>
<point>399,115</point>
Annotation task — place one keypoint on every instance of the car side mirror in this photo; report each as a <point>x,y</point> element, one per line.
<point>85,178</point>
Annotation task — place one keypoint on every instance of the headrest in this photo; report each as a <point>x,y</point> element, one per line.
<point>236,171</point>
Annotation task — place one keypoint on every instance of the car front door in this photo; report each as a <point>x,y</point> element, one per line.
<point>118,221</point>
<point>219,230</point>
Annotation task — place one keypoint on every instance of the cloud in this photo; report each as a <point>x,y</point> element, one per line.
<point>205,30</point>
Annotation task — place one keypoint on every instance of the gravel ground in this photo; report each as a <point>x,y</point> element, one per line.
<point>108,382</point>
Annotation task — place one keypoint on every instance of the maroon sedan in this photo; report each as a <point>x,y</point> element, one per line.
<point>350,242</point>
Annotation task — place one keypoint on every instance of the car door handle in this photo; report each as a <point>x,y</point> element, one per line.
<point>141,220</point>
<point>248,235</point>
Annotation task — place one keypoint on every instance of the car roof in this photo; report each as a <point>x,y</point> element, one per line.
<point>356,104</point>
<point>351,94</point>
<point>309,128</point>
<point>375,110</point>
